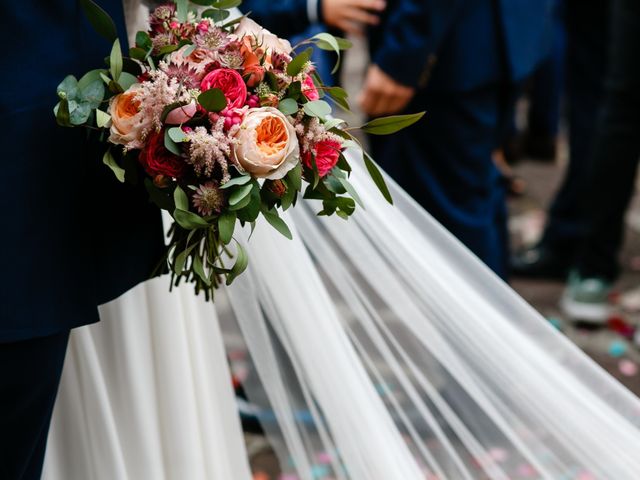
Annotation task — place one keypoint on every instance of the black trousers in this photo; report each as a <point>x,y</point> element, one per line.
<point>616,148</point>
<point>587,23</point>
<point>30,373</point>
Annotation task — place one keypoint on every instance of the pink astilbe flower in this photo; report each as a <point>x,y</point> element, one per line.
<point>155,94</point>
<point>209,199</point>
<point>210,148</point>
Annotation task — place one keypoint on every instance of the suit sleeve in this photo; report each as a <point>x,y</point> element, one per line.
<point>285,18</point>
<point>410,38</point>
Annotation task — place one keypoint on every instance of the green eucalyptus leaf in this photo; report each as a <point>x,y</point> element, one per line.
<point>317,108</point>
<point>392,124</point>
<point>189,220</point>
<point>376,176</point>
<point>61,111</point>
<point>288,106</point>
<point>170,145</point>
<point>180,199</point>
<point>81,113</point>
<point>176,134</point>
<point>216,15</point>
<point>110,162</point>
<point>226,225</point>
<point>213,100</point>
<point>226,4</point>
<point>68,88</point>
<point>243,180</point>
<point>240,194</point>
<point>115,61</point>
<point>93,93</point>
<point>90,77</point>
<point>242,261</point>
<point>333,123</point>
<point>189,50</point>
<point>127,80</point>
<point>298,62</point>
<point>100,20</point>
<point>276,222</point>
<point>102,118</point>
<point>182,11</point>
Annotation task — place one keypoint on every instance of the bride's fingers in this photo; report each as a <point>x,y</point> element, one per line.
<point>374,5</point>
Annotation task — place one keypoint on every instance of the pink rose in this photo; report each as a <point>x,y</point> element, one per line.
<point>181,114</point>
<point>327,154</point>
<point>309,89</point>
<point>231,84</point>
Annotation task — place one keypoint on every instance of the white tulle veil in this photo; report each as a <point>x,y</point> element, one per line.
<point>379,349</point>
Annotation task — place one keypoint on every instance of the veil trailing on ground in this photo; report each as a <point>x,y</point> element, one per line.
<point>383,349</point>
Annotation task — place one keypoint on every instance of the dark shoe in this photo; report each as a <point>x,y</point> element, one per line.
<point>540,262</point>
<point>587,299</point>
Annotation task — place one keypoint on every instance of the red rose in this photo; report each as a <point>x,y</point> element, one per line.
<point>231,84</point>
<point>327,154</point>
<point>157,160</point>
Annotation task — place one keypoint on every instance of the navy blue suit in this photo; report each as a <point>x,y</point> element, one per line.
<point>73,237</point>
<point>466,58</point>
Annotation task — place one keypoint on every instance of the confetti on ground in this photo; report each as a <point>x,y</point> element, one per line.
<point>498,455</point>
<point>628,368</point>
<point>320,471</point>
<point>526,471</point>
<point>323,458</point>
<point>617,348</point>
<point>620,326</point>
<point>555,322</point>
<point>586,476</point>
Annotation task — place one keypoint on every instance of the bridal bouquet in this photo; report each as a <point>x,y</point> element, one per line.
<point>228,122</point>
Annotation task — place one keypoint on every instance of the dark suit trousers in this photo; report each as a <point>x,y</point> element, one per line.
<point>616,147</point>
<point>587,26</point>
<point>445,163</point>
<point>30,373</point>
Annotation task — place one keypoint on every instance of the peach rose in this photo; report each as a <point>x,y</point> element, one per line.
<point>267,145</point>
<point>127,124</point>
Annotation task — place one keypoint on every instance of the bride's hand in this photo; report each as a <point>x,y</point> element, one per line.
<point>352,16</point>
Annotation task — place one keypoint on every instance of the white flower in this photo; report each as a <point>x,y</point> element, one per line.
<point>263,37</point>
<point>266,144</point>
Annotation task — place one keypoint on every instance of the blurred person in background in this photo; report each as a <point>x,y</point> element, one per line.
<point>587,26</point>
<point>614,165</point>
<point>462,61</point>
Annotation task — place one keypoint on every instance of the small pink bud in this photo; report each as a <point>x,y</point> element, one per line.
<point>203,26</point>
<point>174,25</point>
<point>237,120</point>
<point>228,123</point>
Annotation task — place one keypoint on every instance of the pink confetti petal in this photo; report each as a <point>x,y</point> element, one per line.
<point>628,368</point>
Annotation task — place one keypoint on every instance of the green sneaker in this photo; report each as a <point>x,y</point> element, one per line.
<point>586,299</point>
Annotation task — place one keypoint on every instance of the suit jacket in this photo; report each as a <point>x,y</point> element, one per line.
<point>461,45</point>
<point>72,236</point>
<point>285,18</point>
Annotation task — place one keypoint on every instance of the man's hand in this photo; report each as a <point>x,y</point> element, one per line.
<point>352,16</point>
<point>382,95</point>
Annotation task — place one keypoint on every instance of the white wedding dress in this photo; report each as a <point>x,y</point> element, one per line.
<point>381,349</point>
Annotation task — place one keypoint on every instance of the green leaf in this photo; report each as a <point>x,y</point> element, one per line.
<point>339,96</point>
<point>183,10</point>
<point>317,108</point>
<point>295,177</point>
<point>138,53</point>
<point>376,176</point>
<point>89,77</point>
<point>61,111</point>
<point>100,20</point>
<point>226,225</point>
<point>170,145</point>
<point>333,123</point>
<point>115,61</point>
<point>68,88</point>
<point>251,211</point>
<point>93,93</point>
<point>328,40</point>
<point>213,100</point>
<point>389,125</point>
<point>352,191</point>
<point>80,114</point>
<point>102,118</point>
<point>180,198</point>
<point>298,63</point>
<point>181,259</point>
<point>177,135</point>
<point>127,80</point>
<point>204,3</point>
<point>216,15</point>
<point>288,106</point>
<point>226,4</point>
<point>143,41</point>
<point>343,43</point>
<point>189,50</point>
<point>242,261</point>
<point>276,222</point>
<point>243,180</point>
<point>162,197</point>
<point>110,162</point>
<point>189,220</point>
<point>240,194</point>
